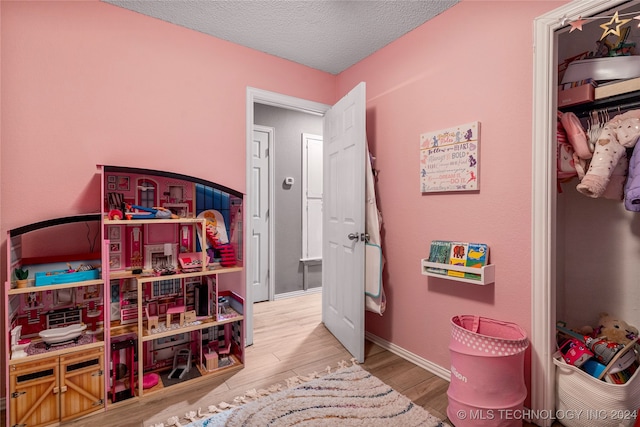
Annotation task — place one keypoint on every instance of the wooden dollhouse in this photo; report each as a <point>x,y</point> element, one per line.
<point>141,303</point>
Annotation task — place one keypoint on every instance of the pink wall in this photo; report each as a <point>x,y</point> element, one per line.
<point>86,83</point>
<point>474,62</point>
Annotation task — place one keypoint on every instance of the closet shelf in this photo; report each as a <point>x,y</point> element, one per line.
<point>486,273</point>
<point>623,101</point>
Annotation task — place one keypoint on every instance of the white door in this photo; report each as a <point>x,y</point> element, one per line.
<point>259,266</point>
<point>311,197</point>
<point>343,221</point>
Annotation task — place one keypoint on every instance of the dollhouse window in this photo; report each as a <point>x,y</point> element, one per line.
<point>165,288</point>
<point>147,191</point>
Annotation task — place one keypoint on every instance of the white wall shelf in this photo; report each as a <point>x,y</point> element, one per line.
<point>486,273</point>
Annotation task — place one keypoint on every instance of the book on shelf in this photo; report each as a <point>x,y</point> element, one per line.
<point>477,257</point>
<point>458,256</point>
<point>462,254</point>
<point>571,85</point>
<point>439,252</point>
<point>617,87</point>
<point>574,93</point>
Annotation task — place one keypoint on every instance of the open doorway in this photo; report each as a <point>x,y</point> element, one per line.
<point>343,219</point>
<point>289,116</point>
<point>292,271</point>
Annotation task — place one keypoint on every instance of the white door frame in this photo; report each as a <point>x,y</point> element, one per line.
<point>259,96</point>
<point>543,227</point>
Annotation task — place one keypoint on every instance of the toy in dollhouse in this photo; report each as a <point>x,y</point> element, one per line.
<point>186,318</point>
<point>216,353</point>
<point>129,211</point>
<point>18,345</point>
<point>217,239</point>
<point>22,276</point>
<point>122,378</point>
<point>93,317</point>
<point>152,321</point>
<point>64,335</point>
<point>181,363</point>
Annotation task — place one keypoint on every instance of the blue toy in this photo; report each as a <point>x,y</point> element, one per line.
<point>155,212</point>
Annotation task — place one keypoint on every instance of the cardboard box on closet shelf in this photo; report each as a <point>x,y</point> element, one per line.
<point>576,95</point>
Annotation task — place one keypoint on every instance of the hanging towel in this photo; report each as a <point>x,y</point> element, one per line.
<point>375,299</point>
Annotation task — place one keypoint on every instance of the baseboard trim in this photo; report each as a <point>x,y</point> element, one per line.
<point>438,370</point>
<point>294,294</point>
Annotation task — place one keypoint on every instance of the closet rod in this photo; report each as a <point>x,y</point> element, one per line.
<point>615,103</point>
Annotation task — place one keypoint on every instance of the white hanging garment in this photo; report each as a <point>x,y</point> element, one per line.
<point>375,299</point>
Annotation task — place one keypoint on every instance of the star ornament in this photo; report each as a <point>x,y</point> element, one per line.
<point>577,24</point>
<point>615,20</point>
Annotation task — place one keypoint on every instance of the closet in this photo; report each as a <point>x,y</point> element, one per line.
<point>597,239</point>
<point>594,241</point>
<point>559,252</point>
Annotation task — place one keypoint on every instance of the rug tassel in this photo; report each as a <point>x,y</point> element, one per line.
<point>213,409</point>
<point>174,421</point>
<point>191,416</point>
<point>252,394</point>
<point>225,405</point>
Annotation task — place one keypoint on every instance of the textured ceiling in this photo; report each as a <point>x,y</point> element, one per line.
<point>327,35</point>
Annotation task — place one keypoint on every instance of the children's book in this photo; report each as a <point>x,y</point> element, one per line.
<point>439,252</point>
<point>477,257</point>
<point>458,256</point>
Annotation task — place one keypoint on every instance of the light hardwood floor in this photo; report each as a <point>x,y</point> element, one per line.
<point>289,340</point>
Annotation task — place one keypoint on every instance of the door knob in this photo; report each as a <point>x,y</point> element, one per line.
<point>353,236</point>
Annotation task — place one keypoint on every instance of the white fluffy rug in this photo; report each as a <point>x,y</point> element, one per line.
<point>350,396</point>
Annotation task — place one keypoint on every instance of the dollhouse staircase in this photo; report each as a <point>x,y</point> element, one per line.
<point>226,251</point>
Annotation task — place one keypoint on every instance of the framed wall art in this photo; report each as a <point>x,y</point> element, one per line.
<point>449,159</point>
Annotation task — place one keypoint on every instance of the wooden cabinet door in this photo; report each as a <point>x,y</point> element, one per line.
<point>33,393</point>
<point>81,383</point>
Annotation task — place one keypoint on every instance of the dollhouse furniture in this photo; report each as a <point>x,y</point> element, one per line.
<point>18,346</point>
<point>152,321</point>
<point>58,336</point>
<point>175,310</point>
<point>181,363</point>
<point>211,357</point>
<point>122,375</point>
<point>150,380</point>
<point>92,319</point>
<point>66,372</point>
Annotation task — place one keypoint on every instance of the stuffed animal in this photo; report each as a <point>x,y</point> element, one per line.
<point>615,329</point>
<point>619,133</point>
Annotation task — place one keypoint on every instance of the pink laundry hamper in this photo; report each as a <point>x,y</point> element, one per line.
<point>487,386</point>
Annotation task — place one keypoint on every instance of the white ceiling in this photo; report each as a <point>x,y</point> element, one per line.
<point>327,35</point>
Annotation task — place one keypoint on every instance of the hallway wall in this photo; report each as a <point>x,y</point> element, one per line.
<point>289,126</point>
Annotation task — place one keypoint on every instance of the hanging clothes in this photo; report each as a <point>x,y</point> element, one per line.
<point>632,187</point>
<point>375,299</point>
